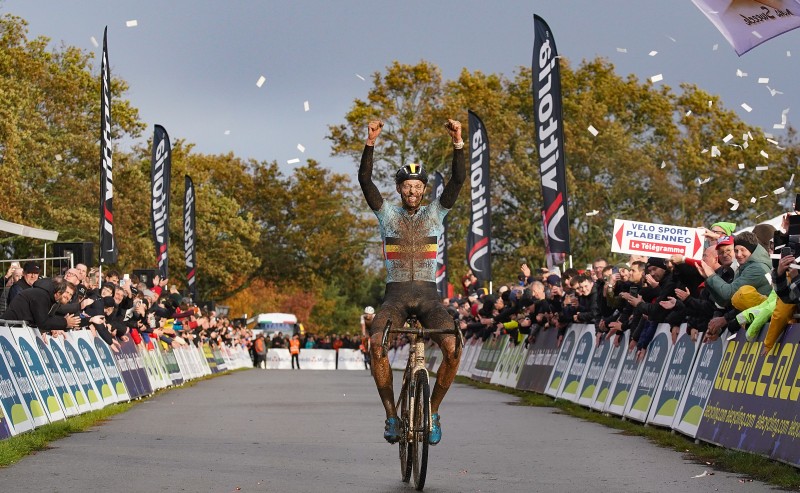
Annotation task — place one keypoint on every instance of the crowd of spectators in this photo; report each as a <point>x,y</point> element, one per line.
<point>114,307</point>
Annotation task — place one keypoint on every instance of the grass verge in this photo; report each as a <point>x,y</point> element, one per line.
<point>749,466</point>
<point>14,448</point>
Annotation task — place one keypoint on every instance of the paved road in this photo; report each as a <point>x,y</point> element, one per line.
<point>310,431</point>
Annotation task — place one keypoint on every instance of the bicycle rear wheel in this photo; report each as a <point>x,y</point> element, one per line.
<point>421,428</point>
<point>404,407</point>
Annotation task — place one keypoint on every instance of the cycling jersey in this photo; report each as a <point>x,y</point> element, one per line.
<point>410,241</point>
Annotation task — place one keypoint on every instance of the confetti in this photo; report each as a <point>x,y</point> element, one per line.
<point>58,157</point>
<point>727,138</point>
<point>746,107</point>
<point>653,53</point>
<point>779,191</point>
<point>714,151</point>
<point>753,200</point>
<point>778,126</point>
<point>772,141</point>
<point>593,213</point>
<point>762,168</point>
<point>227,132</point>
<point>773,92</point>
<point>746,145</point>
<point>293,161</point>
<point>260,81</point>
<point>94,42</point>
<point>763,80</point>
<point>301,148</point>
<point>689,113</point>
<point>715,47</point>
<point>791,180</point>
<point>672,39</point>
<point>750,135</point>
<point>360,77</point>
<point>703,182</point>
<point>764,153</point>
<point>705,473</point>
<point>622,50</point>
<point>657,77</point>
<point>788,53</point>
<point>741,165</point>
<point>734,206</point>
<point>132,23</point>
<point>756,34</point>
<point>663,164</point>
<point>306,107</point>
<point>739,73</point>
<point>733,201</point>
<point>710,103</point>
<point>593,130</point>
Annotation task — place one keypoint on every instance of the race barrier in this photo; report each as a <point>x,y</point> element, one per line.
<point>49,379</point>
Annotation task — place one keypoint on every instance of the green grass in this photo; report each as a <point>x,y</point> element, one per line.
<point>15,448</point>
<point>745,464</point>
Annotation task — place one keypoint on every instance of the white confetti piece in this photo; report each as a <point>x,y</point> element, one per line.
<point>714,151</point>
<point>734,206</point>
<point>788,53</point>
<point>750,135</point>
<point>773,92</point>
<point>301,148</point>
<point>94,42</point>
<point>715,47</point>
<point>746,107</point>
<point>306,107</point>
<point>293,161</point>
<point>739,73</point>
<point>741,165</point>
<point>703,182</point>
<point>758,35</point>
<point>746,145</point>
<point>772,141</point>
<point>764,153</point>
<point>762,168</point>
<point>260,81</point>
<point>657,77</point>
<point>58,157</point>
<point>779,191</point>
<point>653,53</point>
<point>689,113</point>
<point>704,474</point>
<point>763,80</point>
<point>622,50</point>
<point>360,77</point>
<point>791,180</point>
<point>710,103</point>
<point>733,201</point>
<point>663,164</point>
<point>672,39</point>
<point>704,151</point>
<point>593,213</point>
<point>763,196</point>
<point>778,126</point>
<point>593,130</point>
<point>227,132</point>
<point>132,23</point>
<point>753,200</point>
<point>727,138</point>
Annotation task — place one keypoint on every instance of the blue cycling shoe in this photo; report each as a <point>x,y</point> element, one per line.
<point>392,430</point>
<point>436,430</point>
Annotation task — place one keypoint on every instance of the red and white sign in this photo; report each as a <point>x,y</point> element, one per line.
<point>656,240</point>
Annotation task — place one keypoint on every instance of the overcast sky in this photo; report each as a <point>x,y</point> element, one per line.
<point>193,65</point>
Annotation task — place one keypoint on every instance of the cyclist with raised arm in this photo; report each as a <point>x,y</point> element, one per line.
<point>410,240</point>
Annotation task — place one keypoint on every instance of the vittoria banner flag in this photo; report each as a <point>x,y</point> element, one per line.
<point>479,236</point>
<point>441,252</point>
<point>189,236</point>
<point>160,168</point>
<point>108,247</point>
<point>550,136</point>
<point>748,23</point>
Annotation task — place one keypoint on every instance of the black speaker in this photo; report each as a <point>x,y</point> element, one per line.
<point>82,252</point>
<point>145,275</point>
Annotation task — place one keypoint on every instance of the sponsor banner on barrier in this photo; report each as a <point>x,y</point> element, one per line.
<point>212,362</point>
<point>701,380</point>
<point>597,365</point>
<point>466,355</point>
<point>4,431</point>
<point>351,359</point>
<point>279,359</point>
<point>221,364</point>
<point>64,348</point>
<point>63,385</point>
<point>19,373</point>
<point>676,374</point>
<point>401,357</point>
<point>488,358</point>
<point>753,405</point>
<point>17,416</point>
<point>317,359</point>
<point>171,363</point>
<point>565,353</point>
<point>476,345</point>
<point>436,358</point>
<point>539,361</point>
<point>623,383</point>
<point>650,376</point>
<point>510,365</point>
<point>579,363</point>
<point>617,355</point>
<point>84,342</point>
<point>130,371</point>
<point>656,240</point>
<point>48,395</point>
<point>111,369</point>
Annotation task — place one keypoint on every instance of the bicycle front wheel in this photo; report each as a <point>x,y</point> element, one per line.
<point>405,446</point>
<point>421,428</point>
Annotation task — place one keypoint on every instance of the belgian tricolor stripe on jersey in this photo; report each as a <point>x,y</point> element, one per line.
<point>397,249</point>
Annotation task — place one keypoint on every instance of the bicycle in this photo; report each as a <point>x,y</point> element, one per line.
<point>414,401</point>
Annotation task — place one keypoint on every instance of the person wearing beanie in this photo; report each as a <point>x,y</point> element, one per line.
<point>754,268</point>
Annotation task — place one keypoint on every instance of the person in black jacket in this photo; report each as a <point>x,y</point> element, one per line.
<point>36,306</point>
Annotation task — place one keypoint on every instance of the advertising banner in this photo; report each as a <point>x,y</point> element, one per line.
<point>48,395</point>
<point>65,385</point>
<point>488,358</point>
<point>579,364</point>
<point>110,368</point>
<point>108,247</point>
<point>190,236</point>
<point>509,365</point>
<point>590,384</point>
<point>470,358</point>
<point>656,240</point>
<point>126,360</point>
<point>539,361</point>
<point>753,405</point>
<point>701,381</point>
<point>350,359</point>
<point>4,431</point>
<point>649,377</point>
<point>279,359</point>
<point>676,374</point>
<point>62,348</point>
<point>171,363</point>
<point>17,417</point>
<point>212,362</point>
<point>479,235</point>
<point>160,178</point>
<point>564,358</point>
<point>19,374</point>
<point>94,367</point>
<point>623,383</point>
<point>401,357</point>
<point>615,359</point>
<point>317,359</point>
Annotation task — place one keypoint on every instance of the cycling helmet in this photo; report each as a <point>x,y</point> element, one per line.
<point>411,171</point>
<point>369,310</point>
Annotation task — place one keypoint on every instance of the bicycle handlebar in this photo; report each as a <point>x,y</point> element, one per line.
<point>421,332</point>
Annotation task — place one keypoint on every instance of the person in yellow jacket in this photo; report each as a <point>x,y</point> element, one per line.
<point>294,350</point>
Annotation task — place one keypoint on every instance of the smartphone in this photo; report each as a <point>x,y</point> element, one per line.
<point>634,291</point>
<point>786,251</point>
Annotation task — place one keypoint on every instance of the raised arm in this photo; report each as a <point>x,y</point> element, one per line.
<point>371,192</point>
<point>459,173</point>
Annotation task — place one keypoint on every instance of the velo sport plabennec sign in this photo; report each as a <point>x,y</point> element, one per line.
<point>656,240</point>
